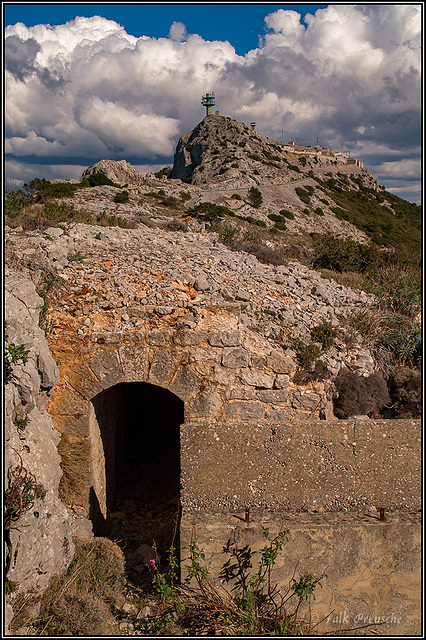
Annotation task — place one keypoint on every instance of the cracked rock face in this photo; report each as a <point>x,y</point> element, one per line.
<point>40,539</point>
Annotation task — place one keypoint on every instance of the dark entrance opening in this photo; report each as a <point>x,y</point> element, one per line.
<point>139,425</point>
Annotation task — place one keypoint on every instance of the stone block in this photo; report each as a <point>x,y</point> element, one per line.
<point>106,367</point>
<point>204,355</point>
<point>255,378</point>
<point>225,338</point>
<point>189,337</point>
<point>257,362</point>
<point>158,338</point>
<point>240,393</point>
<point>271,395</point>
<point>276,414</point>
<point>82,379</point>
<point>134,362</point>
<point>206,404</point>
<point>307,401</point>
<point>186,382</point>
<point>282,381</point>
<point>245,410</point>
<point>234,358</point>
<point>280,363</point>
<point>68,402</point>
<point>72,425</point>
<point>163,367</point>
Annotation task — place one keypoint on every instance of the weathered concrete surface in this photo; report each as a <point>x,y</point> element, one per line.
<point>373,568</point>
<point>301,466</point>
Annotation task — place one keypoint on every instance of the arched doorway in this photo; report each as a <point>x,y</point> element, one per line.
<point>139,425</point>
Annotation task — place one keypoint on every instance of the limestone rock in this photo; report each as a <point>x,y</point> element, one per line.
<point>119,171</point>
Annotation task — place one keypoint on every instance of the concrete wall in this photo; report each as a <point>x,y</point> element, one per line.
<point>302,466</point>
<point>373,568</point>
<point>325,483</point>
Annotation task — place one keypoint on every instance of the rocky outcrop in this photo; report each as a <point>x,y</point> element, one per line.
<point>119,171</point>
<point>38,526</point>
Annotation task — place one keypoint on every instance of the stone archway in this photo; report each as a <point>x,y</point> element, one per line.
<point>139,427</point>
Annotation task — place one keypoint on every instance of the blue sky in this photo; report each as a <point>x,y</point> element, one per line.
<point>124,81</point>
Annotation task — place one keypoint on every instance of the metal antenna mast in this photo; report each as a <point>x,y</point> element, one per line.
<point>208,102</point>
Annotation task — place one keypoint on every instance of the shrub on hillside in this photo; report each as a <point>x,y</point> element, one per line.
<point>255,197</point>
<point>405,386</point>
<point>97,179</point>
<point>267,255</point>
<point>209,212</point>
<point>121,197</point>
<point>359,395</point>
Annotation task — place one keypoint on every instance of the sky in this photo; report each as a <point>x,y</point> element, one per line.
<point>85,82</point>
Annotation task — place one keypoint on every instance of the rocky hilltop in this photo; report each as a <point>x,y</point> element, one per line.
<point>205,279</point>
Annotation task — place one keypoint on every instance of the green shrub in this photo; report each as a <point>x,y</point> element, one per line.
<point>15,201</point>
<point>76,257</point>
<point>287,214</point>
<point>98,179</point>
<point>303,194</point>
<point>343,255</point>
<point>319,211</point>
<point>279,221</point>
<point>307,354</point>
<point>165,171</point>
<point>325,334</point>
<point>121,197</point>
<point>236,196</point>
<point>255,197</point>
<point>406,345</point>
<point>209,212</point>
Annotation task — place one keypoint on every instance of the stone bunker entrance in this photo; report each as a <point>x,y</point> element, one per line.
<point>139,427</point>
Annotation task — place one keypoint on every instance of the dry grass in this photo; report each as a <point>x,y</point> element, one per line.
<point>82,600</point>
<point>74,463</point>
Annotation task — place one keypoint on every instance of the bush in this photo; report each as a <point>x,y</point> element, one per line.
<point>287,214</point>
<point>98,179</point>
<point>359,395</point>
<point>121,197</point>
<point>303,194</point>
<point>343,255</point>
<point>165,171</point>
<point>255,197</point>
<point>307,354</point>
<point>405,344</point>
<point>264,254</point>
<point>209,212</point>
<point>325,334</point>
<point>14,202</point>
<point>405,387</point>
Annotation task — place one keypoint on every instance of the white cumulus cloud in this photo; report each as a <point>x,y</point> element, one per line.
<point>349,75</point>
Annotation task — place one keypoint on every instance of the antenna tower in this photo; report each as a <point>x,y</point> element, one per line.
<point>208,102</point>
